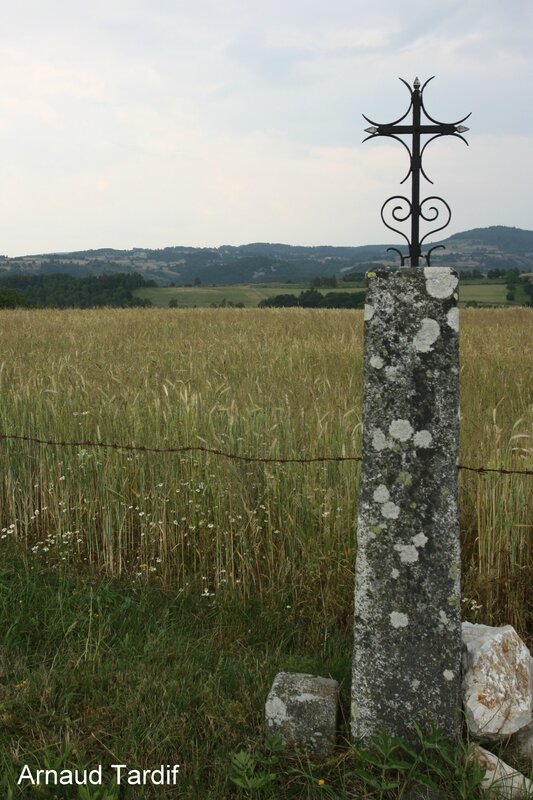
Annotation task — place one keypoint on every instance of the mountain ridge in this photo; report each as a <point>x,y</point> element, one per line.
<point>497,246</point>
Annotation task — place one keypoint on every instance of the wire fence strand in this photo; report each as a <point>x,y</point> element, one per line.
<point>224,454</point>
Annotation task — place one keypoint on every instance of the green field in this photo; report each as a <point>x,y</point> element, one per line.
<point>484,293</point>
<point>204,296</point>
<point>490,293</point>
<point>147,600</point>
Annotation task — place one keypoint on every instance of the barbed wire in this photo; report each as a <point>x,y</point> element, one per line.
<point>179,449</point>
<point>235,456</point>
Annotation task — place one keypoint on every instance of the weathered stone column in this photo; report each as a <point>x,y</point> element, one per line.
<point>407,648</point>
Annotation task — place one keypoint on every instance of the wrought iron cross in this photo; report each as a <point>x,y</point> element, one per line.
<point>414,208</point>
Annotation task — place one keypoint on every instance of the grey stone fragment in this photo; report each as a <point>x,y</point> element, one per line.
<point>497,687</point>
<point>302,709</point>
<point>503,781</point>
<point>407,643</point>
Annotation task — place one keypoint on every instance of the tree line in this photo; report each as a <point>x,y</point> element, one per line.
<point>312,298</point>
<point>60,290</point>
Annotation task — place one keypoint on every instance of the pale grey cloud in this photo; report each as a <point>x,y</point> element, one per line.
<point>160,122</point>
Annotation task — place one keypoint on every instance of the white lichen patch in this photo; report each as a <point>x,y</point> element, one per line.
<point>399,620</point>
<point>401,429</point>
<point>408,553</point>
<point>379,440</point>
<point>276,710</point>
<point>427,335</point>
<point>390,510</point>
<point>440,283</point>
<point>443,617</point>
<point>422,439</point>
<point>452,318</point>
<point>305,697</point>
<point>391,373</point>
<point>369,312</point>
<point>448,675</point>
<point>419,540</point>
<point>376,362</point>
<point>381,494</point>
<point>455,570</point>
<point>395,574</point>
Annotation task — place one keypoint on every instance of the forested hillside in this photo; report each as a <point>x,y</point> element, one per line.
<point>497,247</point>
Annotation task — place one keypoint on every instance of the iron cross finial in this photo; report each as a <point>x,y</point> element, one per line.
<point>403,208</point>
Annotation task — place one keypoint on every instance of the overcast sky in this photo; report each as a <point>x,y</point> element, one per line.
<point>160,122</point>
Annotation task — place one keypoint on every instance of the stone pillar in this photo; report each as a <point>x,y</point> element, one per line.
<point>407,647</point>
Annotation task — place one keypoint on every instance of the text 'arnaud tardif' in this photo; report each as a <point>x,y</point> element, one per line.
<point>164,775</point>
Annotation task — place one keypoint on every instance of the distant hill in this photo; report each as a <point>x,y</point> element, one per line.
<point>260,262</point>
<point>497,237</point>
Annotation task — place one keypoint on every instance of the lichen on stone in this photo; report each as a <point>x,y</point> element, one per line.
<point>408,553</point>
<point>422,439</point>
<point>369,312</point>
<point>399,620</point>
<point>390,510</point>
<point>401,429</point>
<point>440,283</point>
<point>391,373</point>
<point>379,440</point>
<point>427,335</point>
<point>452,318</point>
<point>405,478</point>
<point>381,494</point>
<point>454,571</point>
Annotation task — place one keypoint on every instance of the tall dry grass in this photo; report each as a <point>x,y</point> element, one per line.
<point>265,382</point>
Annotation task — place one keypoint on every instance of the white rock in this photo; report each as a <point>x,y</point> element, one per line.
<point>503,780</point>
<point>497,687</point>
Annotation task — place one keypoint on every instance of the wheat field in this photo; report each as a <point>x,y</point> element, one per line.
<point>272,383</point>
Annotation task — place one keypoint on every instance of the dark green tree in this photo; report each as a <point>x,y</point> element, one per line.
<point>11,298</point>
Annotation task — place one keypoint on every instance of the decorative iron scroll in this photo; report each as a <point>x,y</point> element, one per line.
<point>400,208</point>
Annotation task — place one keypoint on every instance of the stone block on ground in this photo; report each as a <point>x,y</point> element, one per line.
<point>497,688</point>
<point>504,781</point>
<point>302,709</point>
